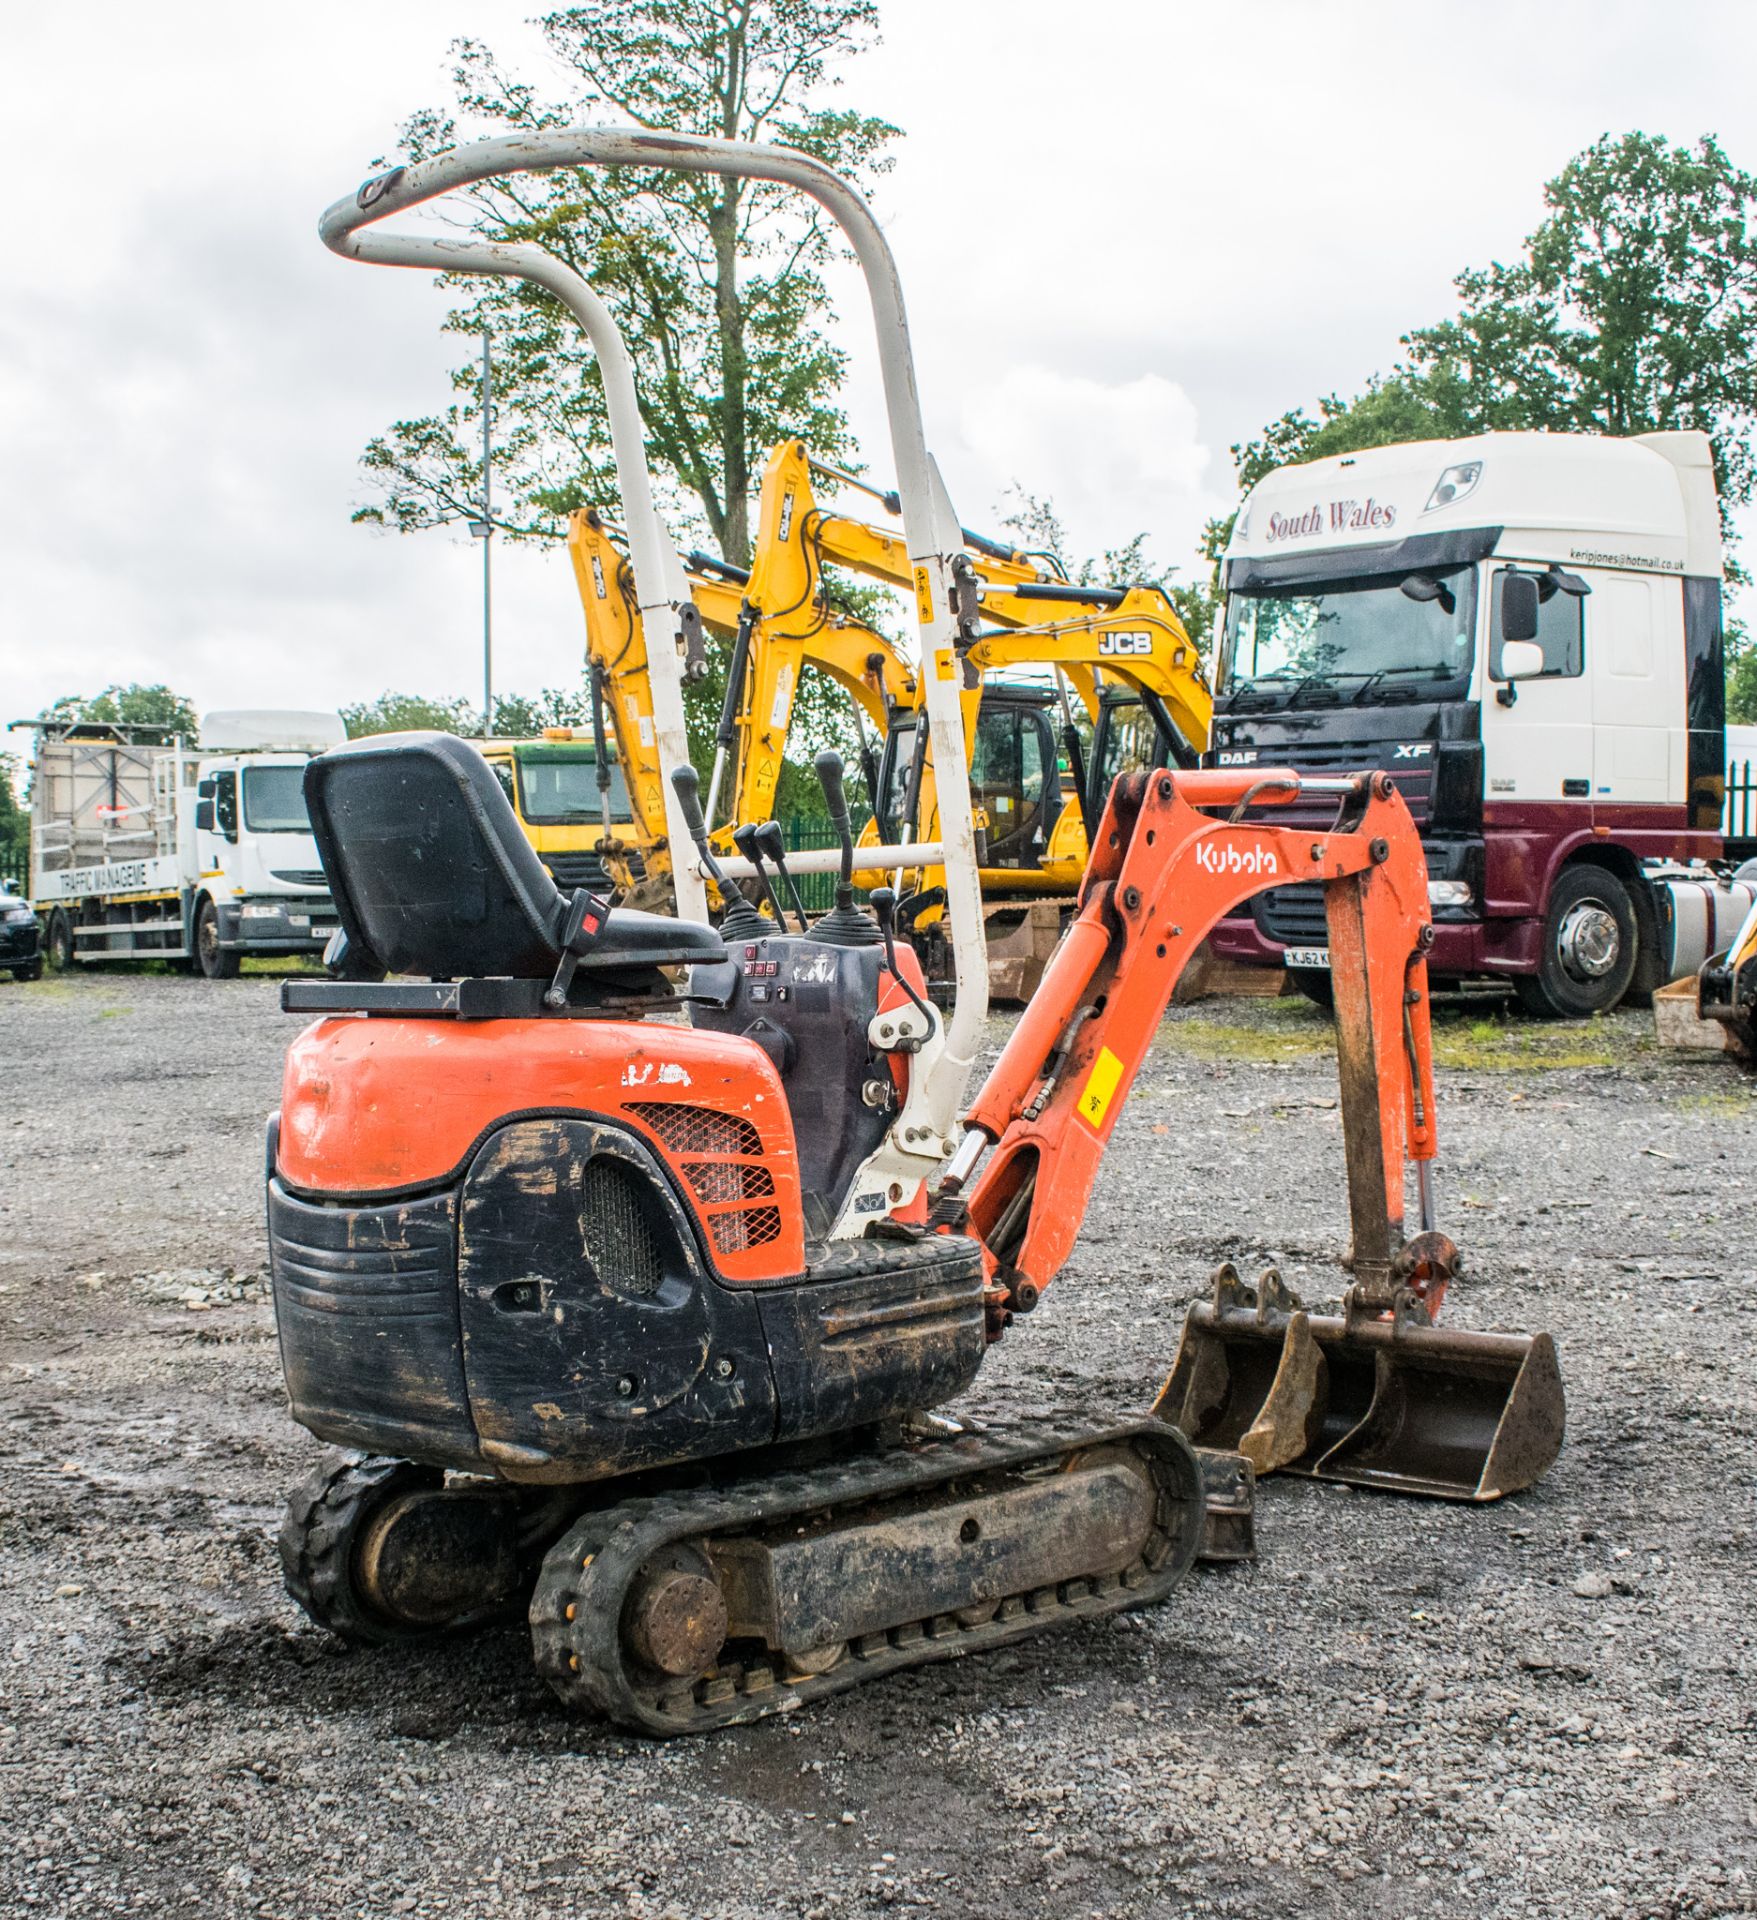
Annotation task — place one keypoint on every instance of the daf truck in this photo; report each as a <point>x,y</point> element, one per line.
<point>1523,631</point>
<point>146,847</point>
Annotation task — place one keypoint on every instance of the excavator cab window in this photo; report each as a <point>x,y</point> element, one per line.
<point>1126,739</point>
<point>1014,778</point>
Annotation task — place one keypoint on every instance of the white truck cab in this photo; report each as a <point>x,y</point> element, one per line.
<point>1524,631</point>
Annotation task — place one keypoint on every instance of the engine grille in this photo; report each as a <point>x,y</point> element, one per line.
<point>1294,916</point>
<point>618,1238</point>
<point>721,1182</point>
<point>735,1190</point>
<point>756,1227</point>
<point>685,1129</point>
<point>578,870</point>
<point>301,876</point>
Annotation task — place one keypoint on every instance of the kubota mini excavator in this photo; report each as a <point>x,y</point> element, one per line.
<point>644,1319</point>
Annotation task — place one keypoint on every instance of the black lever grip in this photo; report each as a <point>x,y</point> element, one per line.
<point>829,773</point>
<point>686,783</point>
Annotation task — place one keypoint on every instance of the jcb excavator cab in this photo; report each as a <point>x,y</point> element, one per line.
<point>1015,777</point>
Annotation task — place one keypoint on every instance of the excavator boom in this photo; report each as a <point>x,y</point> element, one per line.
<point>1380,1397</point>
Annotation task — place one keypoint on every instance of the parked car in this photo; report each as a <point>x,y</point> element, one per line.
<point>20,936</point>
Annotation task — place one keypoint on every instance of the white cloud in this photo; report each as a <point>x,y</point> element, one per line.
<point>1115,460</point>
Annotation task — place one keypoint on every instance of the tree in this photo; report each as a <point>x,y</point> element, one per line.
<point>15,826</point>
<point>410,713</point>
<point>716,283</point>
<point>1035,520</point>
<point>133,705</point>
<point>1633,310</point>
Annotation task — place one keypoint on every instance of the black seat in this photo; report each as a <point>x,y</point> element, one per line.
<point>431,873</point>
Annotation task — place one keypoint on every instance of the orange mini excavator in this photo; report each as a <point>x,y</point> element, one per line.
<point>631,1332</point>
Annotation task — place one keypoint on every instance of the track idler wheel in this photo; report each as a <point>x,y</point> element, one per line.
<point>382,1551</point>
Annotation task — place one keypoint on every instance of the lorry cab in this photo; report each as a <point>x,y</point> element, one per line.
<point>1524,631</point>
<point>552,782</point>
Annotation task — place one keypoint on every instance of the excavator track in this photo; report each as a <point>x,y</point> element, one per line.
<point>674,1614</point>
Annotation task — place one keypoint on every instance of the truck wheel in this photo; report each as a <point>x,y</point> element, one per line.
<point>1315,983</point>
<point>1590,947</point>
<point>59,944</point>
<point>216,962</point>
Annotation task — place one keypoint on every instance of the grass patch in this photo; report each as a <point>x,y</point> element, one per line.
<point>1289,1030</point>
<point>1503,1044</point>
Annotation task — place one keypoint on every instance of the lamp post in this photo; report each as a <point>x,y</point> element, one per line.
<point>483,530</point>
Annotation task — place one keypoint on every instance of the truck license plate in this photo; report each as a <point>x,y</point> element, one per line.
<point>1315,957</point>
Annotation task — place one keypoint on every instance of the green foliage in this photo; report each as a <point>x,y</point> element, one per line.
<point>15,829</point>
<point>1039,527</point>
<point>717,284</point>
<point>132,705</point>
<point>1741,688</point>
<point>410,713</point>
<point>1633,310</point>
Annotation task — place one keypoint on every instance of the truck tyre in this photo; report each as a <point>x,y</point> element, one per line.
<point>215,961</point>
<point>1591,943</point>
<point>58,946</point>
<point>1315,983</point>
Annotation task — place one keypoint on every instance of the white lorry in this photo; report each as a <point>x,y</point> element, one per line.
<point>148,848</point>
<point>1524,631</point>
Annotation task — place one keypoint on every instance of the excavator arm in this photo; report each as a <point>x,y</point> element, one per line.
<point>1161,874</point>
<point>1376,1397</point>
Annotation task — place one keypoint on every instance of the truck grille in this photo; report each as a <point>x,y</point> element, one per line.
<point>578,870</point>
<point>301,876</point>
<point>1413,779</point>
<point>1293,916</point>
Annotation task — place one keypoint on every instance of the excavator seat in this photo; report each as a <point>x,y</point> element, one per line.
<point>431,874</point>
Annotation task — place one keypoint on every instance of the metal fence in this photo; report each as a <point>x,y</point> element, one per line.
<point>1740,819</point>
<point>15,867</point>
<point>817,890</point>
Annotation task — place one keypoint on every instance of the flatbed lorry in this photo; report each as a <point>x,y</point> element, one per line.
<point>147,847</point>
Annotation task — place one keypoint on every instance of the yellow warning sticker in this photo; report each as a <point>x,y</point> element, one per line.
<point>1101,1085</point>
<point>945,663</point>
<point>923,596</point>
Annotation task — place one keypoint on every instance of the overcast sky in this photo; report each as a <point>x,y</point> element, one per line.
<point>1125,247</point>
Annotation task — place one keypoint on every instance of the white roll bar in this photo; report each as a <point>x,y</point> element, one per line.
<point>661,585</point>
<point>913,853</point>
<point>930,527</point>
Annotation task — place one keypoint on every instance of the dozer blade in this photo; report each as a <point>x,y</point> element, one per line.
<point>1387,1403</point>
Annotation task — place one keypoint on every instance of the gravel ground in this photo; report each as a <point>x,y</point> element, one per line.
<point>1545,1707</point>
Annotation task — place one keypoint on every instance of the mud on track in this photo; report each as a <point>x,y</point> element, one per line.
<point>1401,1709</point>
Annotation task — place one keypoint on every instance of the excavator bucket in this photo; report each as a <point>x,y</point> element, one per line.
<point>1390,1402</point>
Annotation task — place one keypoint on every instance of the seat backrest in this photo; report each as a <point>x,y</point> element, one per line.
<point>429,868</point>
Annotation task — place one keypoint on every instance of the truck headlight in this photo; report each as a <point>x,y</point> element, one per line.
<point>1453,485</point>
<point>259,913</point>
<point>1449,893</point>
<point>17,916</point>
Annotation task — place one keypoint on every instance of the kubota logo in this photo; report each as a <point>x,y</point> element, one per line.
<point>1214,859</point>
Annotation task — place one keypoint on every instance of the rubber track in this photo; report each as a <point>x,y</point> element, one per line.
<point>317,1537</point>
<point>587,1576</point>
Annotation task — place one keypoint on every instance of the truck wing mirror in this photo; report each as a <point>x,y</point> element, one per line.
<point>205,788</point>
<point>1518,608</point>
<point>204,815</point>
<point>1521,659</point>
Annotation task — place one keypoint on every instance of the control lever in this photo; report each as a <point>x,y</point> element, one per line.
<point>769,837</point>
<point>846,925</point>
<point>829,773</point>
<point>884,906</point>
<point>748,843</point>
<point>739,920</point>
